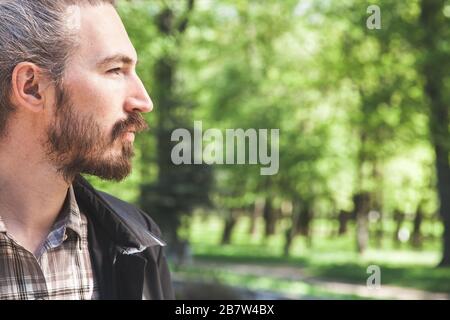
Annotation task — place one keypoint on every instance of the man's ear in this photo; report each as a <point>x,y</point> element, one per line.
<point>28,86</point>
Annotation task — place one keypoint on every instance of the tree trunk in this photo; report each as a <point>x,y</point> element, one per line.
<point>443,173</point>
<point>270,218</point>
<point>416,239</point>
<point>362,207</point>
<point>230,222</point>
<point>435,69</point>
<point>377,202</point>
<point>256,213</point>
<point>343,219</point>
<point>304,220</point>
<point>292,230</point>
<point>399,217</point>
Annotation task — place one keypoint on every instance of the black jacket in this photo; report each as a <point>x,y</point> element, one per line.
<point>125,247</point>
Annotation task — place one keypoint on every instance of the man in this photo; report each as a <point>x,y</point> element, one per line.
<point>70,103</point>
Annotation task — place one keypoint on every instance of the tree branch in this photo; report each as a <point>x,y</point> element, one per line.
<point>185,20</point>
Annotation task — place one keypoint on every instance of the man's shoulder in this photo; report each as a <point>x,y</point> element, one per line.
<point>130,212</point>
<point>121,215</point>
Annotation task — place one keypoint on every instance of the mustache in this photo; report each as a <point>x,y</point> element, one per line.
<point>135,122</point>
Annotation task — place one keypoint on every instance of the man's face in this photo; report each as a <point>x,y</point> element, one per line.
<point>98,109</point>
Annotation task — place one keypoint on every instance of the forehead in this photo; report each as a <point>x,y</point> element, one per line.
<point>101,33</point>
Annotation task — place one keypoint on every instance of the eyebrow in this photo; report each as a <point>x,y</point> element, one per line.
<point>117,58</point>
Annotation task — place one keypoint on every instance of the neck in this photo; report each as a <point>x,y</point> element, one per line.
<point>32,192</point>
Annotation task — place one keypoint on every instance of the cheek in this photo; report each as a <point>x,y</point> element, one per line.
<point>100,98</point>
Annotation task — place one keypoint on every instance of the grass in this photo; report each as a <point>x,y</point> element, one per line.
<point>328,257</point>
<point>292,289</point>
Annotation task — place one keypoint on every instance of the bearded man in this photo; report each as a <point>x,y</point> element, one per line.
<point>71,103</point>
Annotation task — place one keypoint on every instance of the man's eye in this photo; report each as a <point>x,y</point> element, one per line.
<point>115,71</point>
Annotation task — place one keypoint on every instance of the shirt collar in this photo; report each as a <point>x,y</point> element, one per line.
<point>69,218</point>
<point>74,221</point>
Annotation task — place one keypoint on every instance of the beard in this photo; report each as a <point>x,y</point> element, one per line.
<point>77,144</point>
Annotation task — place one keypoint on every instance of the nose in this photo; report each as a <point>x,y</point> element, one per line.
<point>139,99</point>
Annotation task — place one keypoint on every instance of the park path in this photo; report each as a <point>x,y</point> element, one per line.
<point>295,274</point>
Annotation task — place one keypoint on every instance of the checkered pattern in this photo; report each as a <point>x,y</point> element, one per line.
<point>61,270</point>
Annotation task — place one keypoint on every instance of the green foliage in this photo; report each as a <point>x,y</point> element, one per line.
<point>349,103</point>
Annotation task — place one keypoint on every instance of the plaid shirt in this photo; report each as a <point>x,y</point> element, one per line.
<point>62,268</point>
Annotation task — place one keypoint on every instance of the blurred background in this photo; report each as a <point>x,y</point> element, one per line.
<point>364,177</point>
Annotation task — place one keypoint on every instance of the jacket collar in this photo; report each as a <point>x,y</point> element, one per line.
<point>129,234</point>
